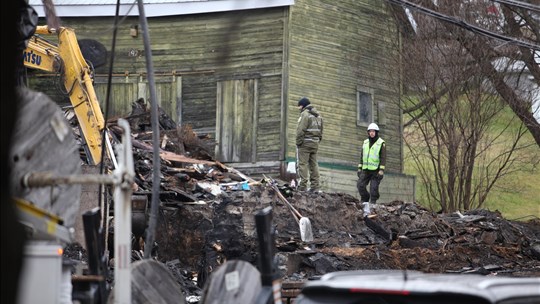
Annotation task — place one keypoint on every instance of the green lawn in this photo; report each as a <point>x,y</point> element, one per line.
<point>520,198</point>
<point>517,196</point>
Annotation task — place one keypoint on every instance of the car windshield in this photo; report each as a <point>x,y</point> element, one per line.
<point>402,298</point>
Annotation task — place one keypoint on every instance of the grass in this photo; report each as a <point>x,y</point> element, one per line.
<point>517,196</point>
<point>520,198</point>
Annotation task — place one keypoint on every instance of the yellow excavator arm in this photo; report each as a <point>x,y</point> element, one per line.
<point>66,58</point>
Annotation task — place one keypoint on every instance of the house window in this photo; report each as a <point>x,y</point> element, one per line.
<point>364,108</point>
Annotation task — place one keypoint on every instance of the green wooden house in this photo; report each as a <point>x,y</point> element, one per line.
<point>235,69</point>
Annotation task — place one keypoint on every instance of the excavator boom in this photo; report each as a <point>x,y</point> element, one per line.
<point>66,58</point>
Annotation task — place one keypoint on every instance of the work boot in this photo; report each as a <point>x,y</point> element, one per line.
<point>367,210</point>
<point>372,209</point>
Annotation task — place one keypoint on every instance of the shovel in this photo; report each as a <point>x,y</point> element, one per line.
<point>306,232</point>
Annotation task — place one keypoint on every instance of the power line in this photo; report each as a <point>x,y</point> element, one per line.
<point>524,5</point>
<point>465,25</point>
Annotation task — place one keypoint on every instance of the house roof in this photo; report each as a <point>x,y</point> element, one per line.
<point>152,8</point>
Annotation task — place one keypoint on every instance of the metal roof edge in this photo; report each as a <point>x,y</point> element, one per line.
<point>159,9</point>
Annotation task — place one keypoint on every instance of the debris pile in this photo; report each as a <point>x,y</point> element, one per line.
<point>402,236</point>
<point>207,218</point>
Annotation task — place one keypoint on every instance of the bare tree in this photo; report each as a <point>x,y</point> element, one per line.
<point>491,31</point>
<point>455,96</point>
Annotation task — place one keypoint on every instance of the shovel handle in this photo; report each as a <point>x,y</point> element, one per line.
<point>283,199</point>
<point>295,212</point>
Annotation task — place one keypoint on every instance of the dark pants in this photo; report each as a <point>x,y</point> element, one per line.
<point>374,179</point>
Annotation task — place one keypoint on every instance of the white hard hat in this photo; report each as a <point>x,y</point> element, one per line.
<point>373,126</point>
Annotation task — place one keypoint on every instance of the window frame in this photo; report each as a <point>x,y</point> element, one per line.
<point>361,94</point>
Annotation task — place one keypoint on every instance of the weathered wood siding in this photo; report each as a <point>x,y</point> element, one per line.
<point>202,49</point>
<point>126,89</point>
<point>395,186</point>
<point>236,114</point>
<point>336,46</point>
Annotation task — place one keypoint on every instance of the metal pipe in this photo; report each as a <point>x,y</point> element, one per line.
<point>122,218</point>
<point>45,179</point>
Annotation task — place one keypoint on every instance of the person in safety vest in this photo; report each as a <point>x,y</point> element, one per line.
<point>371,167</point>
<point>309,134</point>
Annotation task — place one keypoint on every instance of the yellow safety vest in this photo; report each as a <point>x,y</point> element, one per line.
<point>370,156</point>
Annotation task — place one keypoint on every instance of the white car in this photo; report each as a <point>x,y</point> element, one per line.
<point>413,287</point>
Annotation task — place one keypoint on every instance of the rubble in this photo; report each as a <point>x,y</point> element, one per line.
<point>207,218</point>
<point>200,238</point>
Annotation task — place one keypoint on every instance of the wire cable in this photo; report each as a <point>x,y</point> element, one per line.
<point>465,25</point>
<point>156,160</point>
<point>105,205</point>
<point>525,5</point>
